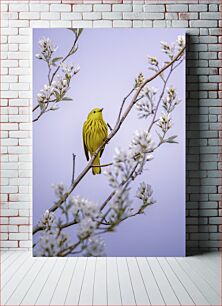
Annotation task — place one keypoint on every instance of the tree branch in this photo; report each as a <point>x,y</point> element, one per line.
<point>74,49</point>
<point>110,136</point>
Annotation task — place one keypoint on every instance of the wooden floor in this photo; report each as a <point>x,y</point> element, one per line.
<point>110,281</point>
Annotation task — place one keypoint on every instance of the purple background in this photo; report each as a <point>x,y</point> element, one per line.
<point>110,60</point>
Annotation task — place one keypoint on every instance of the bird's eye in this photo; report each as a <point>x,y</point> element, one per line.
<point>94,112</point>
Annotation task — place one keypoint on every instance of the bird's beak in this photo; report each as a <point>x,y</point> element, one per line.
<point>101,109</point>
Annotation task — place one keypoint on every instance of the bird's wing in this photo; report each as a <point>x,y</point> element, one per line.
<point>101,152</point>
<point>84,144</point>
<point>106,135</point>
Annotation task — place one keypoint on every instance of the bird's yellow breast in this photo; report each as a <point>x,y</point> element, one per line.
<point>95,132</point>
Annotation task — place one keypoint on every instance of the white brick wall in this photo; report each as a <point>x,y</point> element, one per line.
<point>203,101</point>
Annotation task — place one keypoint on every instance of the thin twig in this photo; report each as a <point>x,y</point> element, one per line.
<point>122,105</point>
<point>73,166</point>
<point>109,126</point>
<point>160,98</point>
<point>103,165</point>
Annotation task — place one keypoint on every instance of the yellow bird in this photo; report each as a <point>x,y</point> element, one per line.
<point>95,131</point>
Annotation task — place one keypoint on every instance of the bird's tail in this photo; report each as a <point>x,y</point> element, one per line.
<point>96,170</point>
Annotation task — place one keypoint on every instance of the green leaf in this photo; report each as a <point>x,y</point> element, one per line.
<point>56,59</point>
<point>58,97</point>
<point>171,139</point>
<point>160,137</point>
<point>67,99</point>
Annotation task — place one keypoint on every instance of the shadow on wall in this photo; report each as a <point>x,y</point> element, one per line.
<point>198,228</point>
<point>193,172</point>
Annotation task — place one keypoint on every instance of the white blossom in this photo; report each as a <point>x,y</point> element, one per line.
<point>77,69</point>
<point>39,56</point>
<point>47,47</point>
<point>153,60</point>
<point>121,204</point>
<point>86,227</point>
<point>180,41</point>
<point>95,246</point>
<point>171,100</point>
<point>168,49</point>
<point>67,69</point>
<point>139,80</point>
<point>165,122</point>
<point>47,219</point>
<point>59,189</point>
<point>144,193</point>
<point>87,208</point>
<point>51,243</point>
<point>146,106</point>
<point>141,145</point>
<point>45,93</point>
<point>121,169</point>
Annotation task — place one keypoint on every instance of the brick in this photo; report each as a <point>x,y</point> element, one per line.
<point>213,7</point>
<point>19,220</point>
<point>177,8</point>
<point>187,16</point>
<point>9,244</point>
<point>122,23</point>
<point>122,7</point>
<point>9,126</point>
<point>154,8</point>
<point>60,8</point>
<point>39,7</point>
<point>171,16</point>
<point>92,15</point>
<point>18,7</point>
<point>70,16</point>
<point>203,23</point>
<point>82,8</point>
<point>9,228</point>
<point>19,118</point>
<point>19,23</point>
<point>24,229</point>
<point>135,15</point>
<point>200,236</point>
<point>215,220</point>
<point>29,15</point>
<point>39,23</point>
<point>54,16</point>
<point>197,7</point>
<point>207,15</point>
<point>18,236</point>
<point>102,23</point>
<point>9,63</point>
<point>82,24</point>
<point>9,212</point>
<point>112,15</point>
<point>138,8</point>
<point>180,23</point>
<point>138,23</point>
<point>215,236</point>
<point>102,7</point>
<point>25,244</point>
<point>60,23</point>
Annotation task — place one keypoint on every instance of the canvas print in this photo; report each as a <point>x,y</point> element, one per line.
<point>108,142</point>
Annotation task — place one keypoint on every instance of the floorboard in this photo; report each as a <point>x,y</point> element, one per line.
<point>75,286</point>
<point>187,281</point>
<point>208,292</point>
<point>194,280</point>
<point>113,284</point>
<point>100,283</point>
